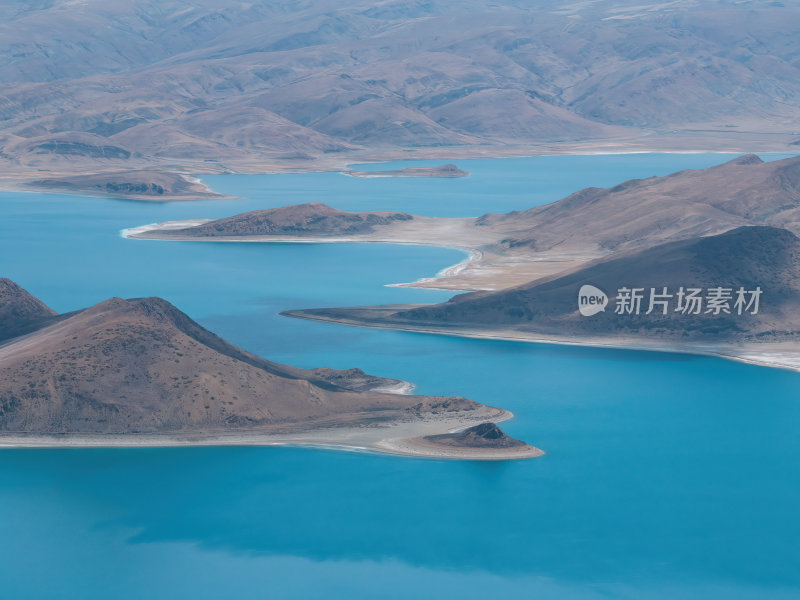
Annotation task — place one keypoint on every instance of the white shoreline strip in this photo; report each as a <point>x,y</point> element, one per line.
<point>451,271</point>
<point>472,254</point>
<point>166,225</point>
<point>395,439</point>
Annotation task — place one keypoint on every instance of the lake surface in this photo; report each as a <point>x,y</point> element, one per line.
<point>666,476</point>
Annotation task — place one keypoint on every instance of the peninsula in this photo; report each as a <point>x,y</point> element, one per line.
<point>317,222</point>
<point>145,185</point>
<point>755,259</point>
<point>743,214</point>
<point>140,372</point>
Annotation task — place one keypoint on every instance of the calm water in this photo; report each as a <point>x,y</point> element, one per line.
<point>666,476</point>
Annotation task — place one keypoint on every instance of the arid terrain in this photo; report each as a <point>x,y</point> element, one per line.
<point>519,247</point>
<point>747,258</point>
<point>193,87</point>
<point>140,372</point>
<point>313,219</point>
<point>732,226</point>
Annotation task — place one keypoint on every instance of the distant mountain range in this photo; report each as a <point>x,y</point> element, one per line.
<point>200,85</point>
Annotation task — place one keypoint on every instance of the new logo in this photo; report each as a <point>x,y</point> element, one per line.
<point>591,300</point>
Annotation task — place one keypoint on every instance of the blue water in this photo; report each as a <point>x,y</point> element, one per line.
<point>666,476</point>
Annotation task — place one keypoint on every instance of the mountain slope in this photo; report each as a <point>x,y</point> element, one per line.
<point>312,219</point>
<point>142,366</point>
<point>642,212</point>
<point>752,258</point>
<point>20,312</point>
<point>522,246</point>
<point>208,85</point>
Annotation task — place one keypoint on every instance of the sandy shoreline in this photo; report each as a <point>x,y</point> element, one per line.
<point>473,255</point>
<point>451,233</point>
<point>401,438</point>
<point>485,268</point>
<point>481,269</point>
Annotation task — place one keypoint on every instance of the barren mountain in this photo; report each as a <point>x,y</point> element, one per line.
<point>209,85</point>
<point>643,212</point>
<point>312,219</point>
<point>521,246</point>
<point>750,258</point>
<point>480,436</point>
<point>142,366</point>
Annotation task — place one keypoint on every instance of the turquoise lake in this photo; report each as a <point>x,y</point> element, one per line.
<point>666,476</point>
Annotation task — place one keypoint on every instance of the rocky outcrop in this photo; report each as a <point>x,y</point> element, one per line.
<point>485,435</point>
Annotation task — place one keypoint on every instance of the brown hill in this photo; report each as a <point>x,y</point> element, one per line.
<point>137,185</point>
<point>523,246</point>
<point>749,257</point>
<point>313,219</point>
<point>644,212</point>
<point>142,366</point>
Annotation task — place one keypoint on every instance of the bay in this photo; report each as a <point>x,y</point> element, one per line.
<point>666,476</point>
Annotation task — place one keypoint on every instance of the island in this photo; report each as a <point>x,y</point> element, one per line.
<point>139,372</point>
<point>445,171</point>
<point>145,185</point>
